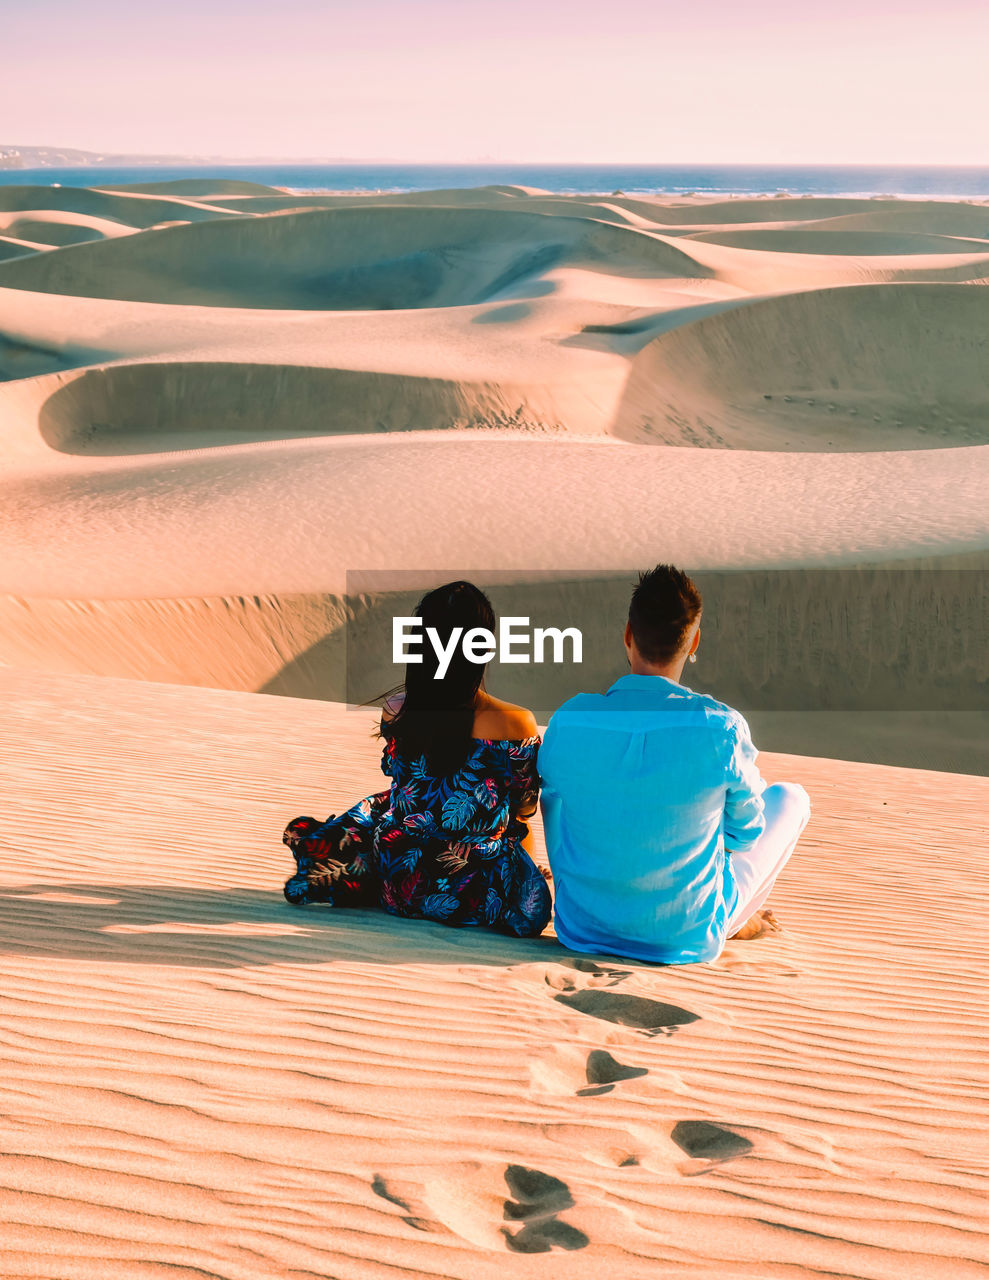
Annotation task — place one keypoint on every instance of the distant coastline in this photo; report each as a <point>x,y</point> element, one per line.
<point>80,169</point>
<point>22,157</point>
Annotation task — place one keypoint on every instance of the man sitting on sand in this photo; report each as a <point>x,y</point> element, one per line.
<point>663,838</point>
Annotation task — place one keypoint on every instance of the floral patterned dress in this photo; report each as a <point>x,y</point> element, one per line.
<point>446,849</point>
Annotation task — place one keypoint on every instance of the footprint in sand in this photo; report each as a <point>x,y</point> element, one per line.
<point>586,973</point>
<point>604,1072</point>
<point>651,1016</point>
<point>707,1141</point>
<point>469,1200</point>
<point>609,1146</point>
<point>536,1199</point>
<point>708,1145</point>
<point>406,1198</point>
<point>571,1068</point>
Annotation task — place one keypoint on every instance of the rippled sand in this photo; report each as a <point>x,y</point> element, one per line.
<point>199,1080</point>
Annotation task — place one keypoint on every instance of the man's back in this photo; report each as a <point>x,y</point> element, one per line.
<point>641,788</point>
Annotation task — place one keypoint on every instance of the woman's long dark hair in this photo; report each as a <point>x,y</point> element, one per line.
<point>436,717</point>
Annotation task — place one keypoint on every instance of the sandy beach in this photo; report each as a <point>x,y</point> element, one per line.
<point>218,403</point>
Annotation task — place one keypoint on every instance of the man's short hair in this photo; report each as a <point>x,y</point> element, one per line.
<point>665,605</point>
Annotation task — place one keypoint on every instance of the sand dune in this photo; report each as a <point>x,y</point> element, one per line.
<point>380,256</point>
<point>131,209</point>
<point>920,215</point>
<point>12,247</point>
<point>840,243</point>
<point>771,270</point>
<point>942,218</point>
<point>27,360</point>
<point>136,408</point>
<point>602,208</point>
<point>56,227</point>
<point>831,368</point>
<point>347,259</point>
<point>90,586</point>
<point>574,379</point>
<point>309,501</point>
<point>195,188</point>
<point>200,1080</point>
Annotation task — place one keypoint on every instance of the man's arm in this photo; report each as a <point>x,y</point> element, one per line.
<point>744,809</point>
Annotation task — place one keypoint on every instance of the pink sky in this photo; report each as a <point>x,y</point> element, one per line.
<point>895,81</point>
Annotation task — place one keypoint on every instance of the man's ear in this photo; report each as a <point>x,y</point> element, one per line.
<point>696,640</point>
<point>628,635</point>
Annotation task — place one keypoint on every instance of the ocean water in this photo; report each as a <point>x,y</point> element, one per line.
<point>819,180</point>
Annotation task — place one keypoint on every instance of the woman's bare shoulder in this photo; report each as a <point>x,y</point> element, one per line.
<point>499,720</point>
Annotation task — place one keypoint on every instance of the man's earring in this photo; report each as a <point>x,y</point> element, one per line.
<point>692,658</point>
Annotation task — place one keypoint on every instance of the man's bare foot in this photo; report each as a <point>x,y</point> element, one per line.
<point>757,926</point>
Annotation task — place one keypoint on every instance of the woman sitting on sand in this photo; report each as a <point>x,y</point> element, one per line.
<point>449,840</point>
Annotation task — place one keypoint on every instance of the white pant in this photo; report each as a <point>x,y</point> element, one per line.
<point>787,810</point>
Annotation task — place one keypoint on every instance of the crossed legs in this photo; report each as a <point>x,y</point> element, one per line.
<point>756,870</point>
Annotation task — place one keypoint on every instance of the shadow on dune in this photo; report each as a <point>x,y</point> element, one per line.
<point>11,247</point>
<point>28,360</point>
<point>232,929</point>
<point>368,258</point>
<point>898,674</point>
<point>320,672</point>
<point>638,329</point>
<point>864,368</point>
<point>176,405</point>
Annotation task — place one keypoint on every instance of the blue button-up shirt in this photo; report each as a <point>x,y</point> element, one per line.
<point>643,787</point>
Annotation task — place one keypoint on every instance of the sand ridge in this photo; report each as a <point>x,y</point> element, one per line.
<point>131,209</point>
<point>57,227</point>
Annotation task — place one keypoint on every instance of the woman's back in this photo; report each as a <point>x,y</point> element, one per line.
<point>447,840</point>
<point>473,805</point>
<point>450,847</point>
